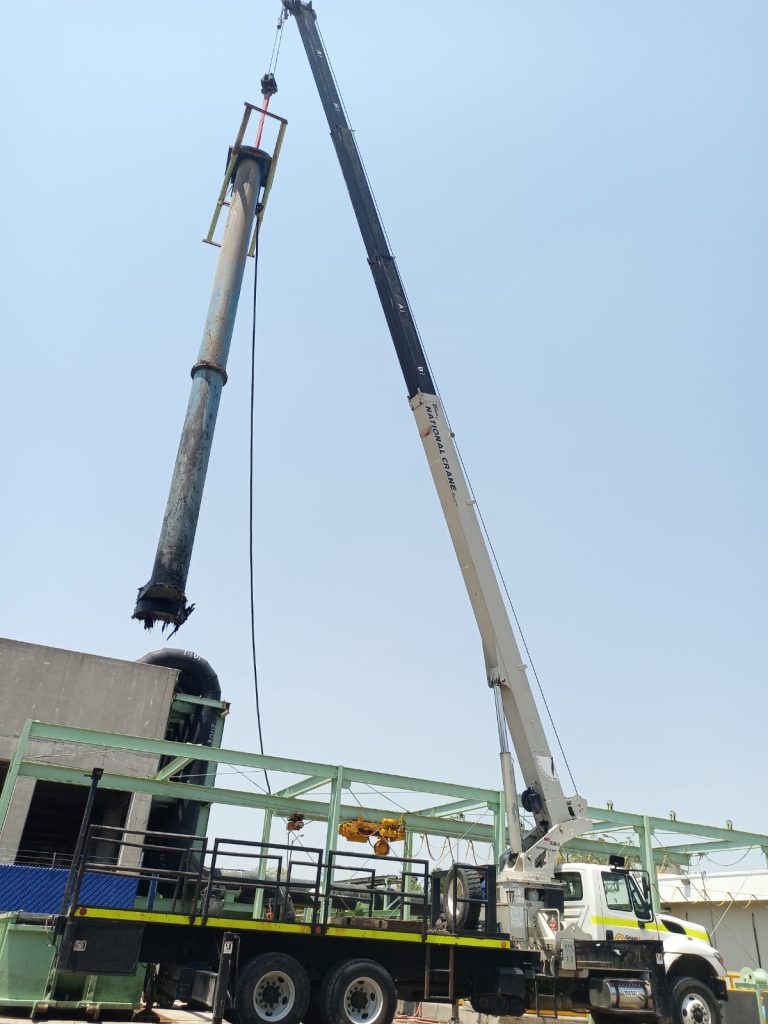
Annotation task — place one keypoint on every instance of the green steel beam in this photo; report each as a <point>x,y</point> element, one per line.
<point>676,826</point>
<point>145,745</point>
<point>594,846</point>
<point>171,769</point>
<point>711,847</point>
<point>180,699</point>
<point>430,820</point>
<point>299,788</point>
<point>455,807</point>
<point>284,806</point>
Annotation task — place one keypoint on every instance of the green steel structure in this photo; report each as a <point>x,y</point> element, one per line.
<point>466,813</point>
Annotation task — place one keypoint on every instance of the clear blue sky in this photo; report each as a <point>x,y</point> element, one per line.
<point>576,197</point>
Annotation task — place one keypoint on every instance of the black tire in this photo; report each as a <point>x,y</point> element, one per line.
<point>694,1002</point>
<point>272,989</point>
<point>463,917</point>
<point>358,992</point>
<point>312,1014</point>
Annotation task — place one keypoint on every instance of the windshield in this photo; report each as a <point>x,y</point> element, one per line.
<point>623,893</point>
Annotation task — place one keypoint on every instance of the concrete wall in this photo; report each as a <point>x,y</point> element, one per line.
<point>70,688</point>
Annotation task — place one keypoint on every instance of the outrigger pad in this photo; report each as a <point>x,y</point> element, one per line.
<point>100,947</point>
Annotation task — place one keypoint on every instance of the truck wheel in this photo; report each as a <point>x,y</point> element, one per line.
<point>273,989</point>
<point>469,885</point>
<point>358,992</point>
<point>695,1003</point>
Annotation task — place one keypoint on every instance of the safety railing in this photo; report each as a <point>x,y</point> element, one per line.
<point>237,878</point>
<point>353,884</point>
<point>274,885</point>
<point>163,866</point>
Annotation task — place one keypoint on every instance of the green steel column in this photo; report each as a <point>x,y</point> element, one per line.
<point>409,880</point>
<point>13,771</point>
<point>334,811</point>
<point>266,832</point>
<point>210,778</point>
<point>645,836</point>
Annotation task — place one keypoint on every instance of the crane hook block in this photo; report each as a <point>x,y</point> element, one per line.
<point>268,85</point>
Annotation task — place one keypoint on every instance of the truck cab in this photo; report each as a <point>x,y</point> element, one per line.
<point>612,904</point>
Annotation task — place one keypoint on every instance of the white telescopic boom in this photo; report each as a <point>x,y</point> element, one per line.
<point>556,819</point>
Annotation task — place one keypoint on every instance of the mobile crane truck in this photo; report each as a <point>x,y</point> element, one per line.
<point>529,882</point>
<point>523,934</point>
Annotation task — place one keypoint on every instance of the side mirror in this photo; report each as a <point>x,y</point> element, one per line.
<point>645,912</point>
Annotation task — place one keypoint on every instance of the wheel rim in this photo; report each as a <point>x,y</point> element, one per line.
<point>694,1009</point>
<point>274,996</point>
<point>449,902</point>
<point>363,1001</point>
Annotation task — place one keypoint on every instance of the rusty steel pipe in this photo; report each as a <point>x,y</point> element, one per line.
<point>163,598</point>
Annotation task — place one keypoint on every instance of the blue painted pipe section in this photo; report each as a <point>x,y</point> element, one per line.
<point>163,598</point>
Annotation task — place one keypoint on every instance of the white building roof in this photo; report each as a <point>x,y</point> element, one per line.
<point>714,887</point>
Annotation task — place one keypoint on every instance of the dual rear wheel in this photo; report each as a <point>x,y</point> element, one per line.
<point>274,989</point>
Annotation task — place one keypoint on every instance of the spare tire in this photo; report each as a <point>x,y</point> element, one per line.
<point>460,886</point>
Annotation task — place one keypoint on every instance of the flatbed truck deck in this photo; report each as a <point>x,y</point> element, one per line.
<point>345,952</point>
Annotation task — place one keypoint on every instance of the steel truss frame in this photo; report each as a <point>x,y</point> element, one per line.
<point>446,819</point>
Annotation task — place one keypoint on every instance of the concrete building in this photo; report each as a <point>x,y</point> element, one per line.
<point>732,906</point>
<point>70,688</point>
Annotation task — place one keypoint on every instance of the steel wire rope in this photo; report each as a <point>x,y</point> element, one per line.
<point>386,796</point>
<point>732,863</point>
<point>730,904</point>
<point>458,451</point>
<point>512,608</point>
<point>250,507</point>
<point>277,43</point>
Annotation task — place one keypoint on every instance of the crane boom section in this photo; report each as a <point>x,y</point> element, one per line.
<point>503,662</point>
<point>401,324</point>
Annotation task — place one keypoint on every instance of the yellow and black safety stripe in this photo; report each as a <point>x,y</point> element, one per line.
<point>650,926</point>
<point>273,927</point>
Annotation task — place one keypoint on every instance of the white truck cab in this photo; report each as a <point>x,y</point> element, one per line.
<point>611,903</point>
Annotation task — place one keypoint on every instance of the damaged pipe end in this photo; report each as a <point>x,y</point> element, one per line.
<point>159,602</point>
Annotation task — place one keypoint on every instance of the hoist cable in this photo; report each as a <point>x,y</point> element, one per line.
<point>278,42</point>
<point>250,507</point>
<point>514,615</point>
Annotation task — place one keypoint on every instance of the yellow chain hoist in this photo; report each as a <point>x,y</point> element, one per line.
<point>385,831</point>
